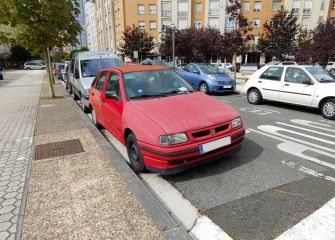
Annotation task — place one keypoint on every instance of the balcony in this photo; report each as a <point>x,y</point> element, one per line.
<point>182,13</point>
<point>307,10</point>
<point>140,12</point>
<point>166,13</point>
<point>213,12</point>
<point>295,10</point>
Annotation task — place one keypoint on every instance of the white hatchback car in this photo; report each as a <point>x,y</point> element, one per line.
<point>330,67</point>
<point>300,85</point>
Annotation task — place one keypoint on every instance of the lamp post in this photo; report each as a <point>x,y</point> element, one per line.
<point>173,28</point>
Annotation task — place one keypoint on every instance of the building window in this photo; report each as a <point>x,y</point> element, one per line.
<point>182,8</point>
<point>152,9</point>
<point>152,25</point>
<point>256,23</point>
<point>140,9</point>
<point>197,24</point>
<point>198,8</point>
<point>182,24</point>
<point>213,23</point>
<point>165,24</point>
<point>141,25</point>
<point>322,7</point>
<point>305,23</point>
<point>333,5</point>
<point>245,7</point>
<point>296,6</point>
<point>320,19</point>
<point>214,8</point>
<point>257,6</point>
<point>166,9</point>
<point>308,6</point>
<point>229,25</point>
<point>276,5</point>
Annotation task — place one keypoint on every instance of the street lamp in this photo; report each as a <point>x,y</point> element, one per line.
<point>173,28</point>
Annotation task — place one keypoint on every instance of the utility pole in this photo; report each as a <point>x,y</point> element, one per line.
<point>173,28</point>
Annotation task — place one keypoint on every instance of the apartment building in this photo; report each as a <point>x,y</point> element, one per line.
<point>91,27</point>
<point>141,13</point>
<point>331,11</point>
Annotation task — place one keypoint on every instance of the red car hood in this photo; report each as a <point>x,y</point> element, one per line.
<point>181,113</point>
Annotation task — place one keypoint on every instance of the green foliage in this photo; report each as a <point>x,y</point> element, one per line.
<point>279,35</point>
<point>135,39</point>
<point>39,24</point>
<point>82,49</point>
<point>19,54</point>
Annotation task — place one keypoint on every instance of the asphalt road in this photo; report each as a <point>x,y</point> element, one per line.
<point>284,172</point>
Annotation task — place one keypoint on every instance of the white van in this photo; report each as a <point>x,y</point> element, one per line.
<point>83,68</point>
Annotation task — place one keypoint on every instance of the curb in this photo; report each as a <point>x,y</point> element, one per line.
<point>159,215</point>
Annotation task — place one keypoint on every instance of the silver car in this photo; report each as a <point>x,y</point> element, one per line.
<point>33,66</point>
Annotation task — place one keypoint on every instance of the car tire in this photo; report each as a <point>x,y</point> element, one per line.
<point>328,109</point>
<point>83,107</point>
<point>28,68</point>
<point>74,95</point>
<point>254,96</point>
<point>134,154</point>
<point>95,120</point>
<point>203,87</point>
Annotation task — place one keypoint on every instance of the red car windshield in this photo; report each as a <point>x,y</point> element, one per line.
<point>158,83</point>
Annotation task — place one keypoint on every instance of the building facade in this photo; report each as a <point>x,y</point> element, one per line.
<point>91,27</point>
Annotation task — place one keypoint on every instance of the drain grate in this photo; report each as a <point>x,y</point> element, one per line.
<point>57,149</point>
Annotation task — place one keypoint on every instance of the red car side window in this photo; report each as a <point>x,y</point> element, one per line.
<point>100,81</point>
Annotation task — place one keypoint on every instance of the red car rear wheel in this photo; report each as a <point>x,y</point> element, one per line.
<point>134,154</point>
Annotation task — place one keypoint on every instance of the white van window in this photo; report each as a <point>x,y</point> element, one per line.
<point>90,67</point>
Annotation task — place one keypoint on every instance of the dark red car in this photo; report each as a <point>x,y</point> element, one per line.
<point>165,124</point>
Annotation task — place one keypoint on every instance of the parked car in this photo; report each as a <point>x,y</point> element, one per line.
<point>156,62</point>
<point>331,67</point>
<point>2,73</point>
<point>61,69</point>
<point>207,78</point>
<point>84,67</point>
<point>187,128</point>
<point>223,66</point>
<point>249,68</point>
<point>33,66</point>
<point>272,63</point>
<point>286,63</point>
<point>309,86</point>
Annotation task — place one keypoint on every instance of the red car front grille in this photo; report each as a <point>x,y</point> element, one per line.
<point>210,131</point>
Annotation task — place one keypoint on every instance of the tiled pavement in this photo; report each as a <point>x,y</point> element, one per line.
<point>19,99</point>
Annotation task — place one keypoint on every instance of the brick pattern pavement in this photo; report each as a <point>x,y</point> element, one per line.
<point>19,99</point>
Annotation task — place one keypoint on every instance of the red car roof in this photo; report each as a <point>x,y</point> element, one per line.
<point>139,68</point>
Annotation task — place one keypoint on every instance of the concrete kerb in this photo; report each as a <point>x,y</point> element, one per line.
<point>160,216</point>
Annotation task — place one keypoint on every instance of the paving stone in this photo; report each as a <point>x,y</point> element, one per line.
<point>4,226</point>
<point>8,202</point>
<point>4,235</point>
<point>6,209</point>
<point>6,217</point>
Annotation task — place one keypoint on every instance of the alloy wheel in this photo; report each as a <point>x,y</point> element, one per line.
<point>329,109</point>
<point>203,88</point>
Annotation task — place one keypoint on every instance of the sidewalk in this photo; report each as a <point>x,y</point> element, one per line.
<point>74,191</point>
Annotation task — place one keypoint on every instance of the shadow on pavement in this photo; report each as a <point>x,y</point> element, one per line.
<point>287,106</point>
<point>249,152</point>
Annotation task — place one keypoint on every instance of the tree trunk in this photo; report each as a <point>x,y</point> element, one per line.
<point>235,65</point>
<point>50,84</point>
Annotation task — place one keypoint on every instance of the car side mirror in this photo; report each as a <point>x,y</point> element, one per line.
<point>111,95</point>
<point>196,72</point>
<point>76,73</point>
<point>308,82</point>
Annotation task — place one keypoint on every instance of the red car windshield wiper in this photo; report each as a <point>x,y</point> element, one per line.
<point>149,96</point>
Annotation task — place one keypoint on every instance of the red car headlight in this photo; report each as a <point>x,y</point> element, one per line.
<point>173,139</point>
<point>236,123</point>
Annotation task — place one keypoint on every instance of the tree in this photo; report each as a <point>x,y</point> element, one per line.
<point>192,45</point>
<point>135,39</point>
<point>40,25</point>
<point>303,50</point>
<point>239,36</point>
<point>279,34</point>
<point>322,47</point>
<point>19,54</point>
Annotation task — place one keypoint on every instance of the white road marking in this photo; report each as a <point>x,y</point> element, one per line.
<point>327,121</point>
<point>312,124</point>
<point>298,149</point>
<point>259,111</point>
<point>274,131</point>
<point>306,129</point>
<point>308,171</point>
<point>318,225</point>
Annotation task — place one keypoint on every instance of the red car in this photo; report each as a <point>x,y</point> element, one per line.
<point>165,125</point>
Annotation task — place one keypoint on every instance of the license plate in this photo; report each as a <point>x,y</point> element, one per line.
<point>227,86</point>
<point>207,147</point>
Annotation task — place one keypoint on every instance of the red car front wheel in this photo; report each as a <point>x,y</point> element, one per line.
<point>134,154</point>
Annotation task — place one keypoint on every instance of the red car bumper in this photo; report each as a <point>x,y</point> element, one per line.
<point>177,159</point>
